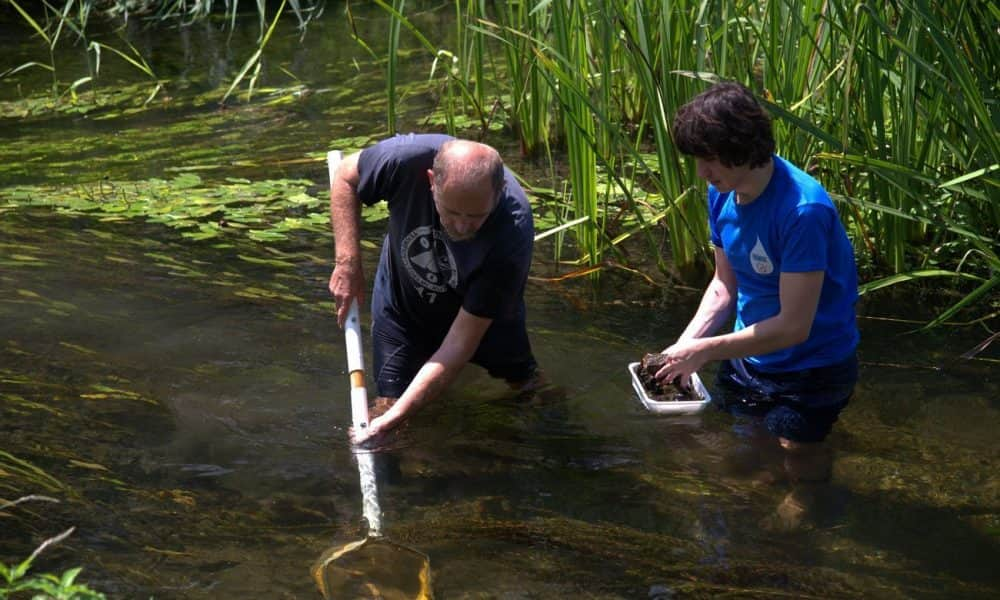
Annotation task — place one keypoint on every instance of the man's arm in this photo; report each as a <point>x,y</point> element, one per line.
<point>347,282</point>
<point>458,347</point>
<point>799,296</point>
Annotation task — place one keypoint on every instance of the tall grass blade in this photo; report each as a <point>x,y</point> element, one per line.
<point>252,61</point>
<point>31,21</point>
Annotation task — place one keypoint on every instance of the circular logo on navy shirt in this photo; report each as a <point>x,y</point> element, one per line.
<point>428,260</point>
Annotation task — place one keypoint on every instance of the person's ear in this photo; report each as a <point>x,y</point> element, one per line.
<point>430,178</point>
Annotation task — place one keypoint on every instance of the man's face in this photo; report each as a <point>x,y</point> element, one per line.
<point>724,179</point>
<point>462,209</point>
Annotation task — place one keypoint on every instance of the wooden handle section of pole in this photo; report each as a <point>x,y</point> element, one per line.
<point>357,379</point>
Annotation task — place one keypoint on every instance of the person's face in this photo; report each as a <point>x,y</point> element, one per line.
<point>462,209</point>
<point>724,179</point>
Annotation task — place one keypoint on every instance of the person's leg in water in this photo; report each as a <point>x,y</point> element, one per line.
<point>756,457</point>
<point>809,403</point>
<point>505,353</point>
<point>799,410</point>
<point>397,356</point>
<point>810,406</point>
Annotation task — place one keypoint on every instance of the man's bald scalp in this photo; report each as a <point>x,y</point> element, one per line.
<point>465,163</point>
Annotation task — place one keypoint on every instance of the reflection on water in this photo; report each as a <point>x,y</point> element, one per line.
<point>196,433</point>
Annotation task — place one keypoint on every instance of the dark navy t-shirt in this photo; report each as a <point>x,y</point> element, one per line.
<point>428,277</point>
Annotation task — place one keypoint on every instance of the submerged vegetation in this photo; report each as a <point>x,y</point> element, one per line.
<point>262,210</point>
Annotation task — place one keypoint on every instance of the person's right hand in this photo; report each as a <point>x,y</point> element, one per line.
<point>368,437</point>
<point>347,283</point>
<point>683,358</point>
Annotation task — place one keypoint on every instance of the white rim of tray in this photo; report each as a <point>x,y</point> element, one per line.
<point>671,406</point>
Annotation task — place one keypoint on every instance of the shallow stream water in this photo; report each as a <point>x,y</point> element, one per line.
<point>189,397</point>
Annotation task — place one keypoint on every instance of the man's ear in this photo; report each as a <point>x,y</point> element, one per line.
<point>430,177</point>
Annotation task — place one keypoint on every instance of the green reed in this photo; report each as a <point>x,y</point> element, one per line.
<point>664,69</point>
<point>393,64</point>
<point>472,49</point>
<point>454,85</point>
<point>54,21</point>
<point>50,21</point>
<point>920,146</point>
<point>891,106</point>
<point>254,62</point>
<point>195,10</point>
<point>528,93</point>
<point>572,68</point>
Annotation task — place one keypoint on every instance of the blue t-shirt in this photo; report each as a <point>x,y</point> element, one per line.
<point>424,276</point>
<point>792,227</point>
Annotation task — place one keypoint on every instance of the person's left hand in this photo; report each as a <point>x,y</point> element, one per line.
<point>684,357</point>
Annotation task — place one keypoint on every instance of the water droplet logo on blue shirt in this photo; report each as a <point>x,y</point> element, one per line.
<point>428,260</point>
<point>759,259</point>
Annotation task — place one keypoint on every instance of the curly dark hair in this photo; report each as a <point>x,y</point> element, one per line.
<point>725,122</point>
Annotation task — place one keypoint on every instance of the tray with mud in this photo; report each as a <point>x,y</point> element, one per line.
<point>669,398</point>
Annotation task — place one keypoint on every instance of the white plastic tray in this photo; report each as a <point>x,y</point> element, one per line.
<point>671,407</point>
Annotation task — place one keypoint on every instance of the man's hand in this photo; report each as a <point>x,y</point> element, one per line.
<point>369,434</point>
<point>347,283</point>
<point>377,427</point>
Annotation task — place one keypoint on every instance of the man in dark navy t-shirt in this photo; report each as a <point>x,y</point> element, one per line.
<point>449,288</point>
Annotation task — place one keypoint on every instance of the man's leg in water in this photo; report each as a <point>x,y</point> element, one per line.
<point>505,353</point>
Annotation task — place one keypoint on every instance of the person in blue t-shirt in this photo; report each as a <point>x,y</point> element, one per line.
<point>449,288</point>
<point>782,261</point>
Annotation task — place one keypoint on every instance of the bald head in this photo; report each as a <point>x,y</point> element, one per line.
<point>466,181</point>
<point>467,165</point>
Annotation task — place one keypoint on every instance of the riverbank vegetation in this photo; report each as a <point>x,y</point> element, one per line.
<point>892,106</point>
<point>17,580</point>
